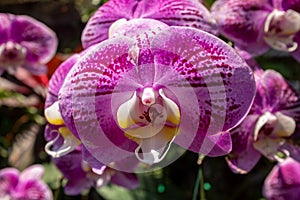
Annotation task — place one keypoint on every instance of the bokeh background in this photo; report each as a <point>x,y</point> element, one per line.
<point>22,123</point>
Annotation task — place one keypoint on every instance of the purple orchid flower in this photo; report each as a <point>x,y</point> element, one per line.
<point>284,181</point>
<point>257,25</point>
<point>172,12</point>
<point>25,42</point>
<point>134,97</point>
<point>270,126</point>
<point>27,185</point>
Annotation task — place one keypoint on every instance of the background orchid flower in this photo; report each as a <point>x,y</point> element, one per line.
<point>256,25</point>
<point>283,182</point>
<point>25,42</point>
<point>187,93</point>
<point>25,185</point>
<point>272,122</point>
<point>172,12</point>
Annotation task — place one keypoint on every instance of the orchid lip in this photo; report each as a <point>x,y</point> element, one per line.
<point>283,125</point>
<point>154,129</point>
<point>288,24</point>
<point>154,156</point>
<point>12,54</point>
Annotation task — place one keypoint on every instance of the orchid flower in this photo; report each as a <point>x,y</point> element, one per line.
<point>270,126</point>
<point>172,12</point>
<point>257,25</point>
<point>26,43</point>
<point>283,182</point>
<point>135,97</point>
<point>27,185</point>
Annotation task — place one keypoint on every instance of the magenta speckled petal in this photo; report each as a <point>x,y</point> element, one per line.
<point>243,156</point>
<point>172,12</point>
<point>38,39</point>
<point>97,27</point>
<point>58,78</point>
<point>243,22</point>
<point>222,82</point>
<point>284,181</point>
<point>87,91</point>
<point>178,13</point>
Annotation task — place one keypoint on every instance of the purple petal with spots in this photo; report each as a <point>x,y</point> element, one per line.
<point>37,38</point>
<point>142,30</point>
<point>58,78</point>
<point>283,182</point>
<point>214,71</point>
<point>243,156</point>
<point>178,12</point>
<point>243,22</point>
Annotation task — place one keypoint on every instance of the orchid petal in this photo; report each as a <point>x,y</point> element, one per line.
<point>278,93</point>
<point>178,12</point>
<point>8,180</point>
<point>283,181</point>
<point>58,78</point>
<point>127,180</point>
<point>40,41</point>
<point>285,125</point>
<point>214,71</point>
<point>243,156</point>
<point>233,16</point>
<point>33,172</point>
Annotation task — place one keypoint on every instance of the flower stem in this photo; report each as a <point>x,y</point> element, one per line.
<point>197,184</point>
